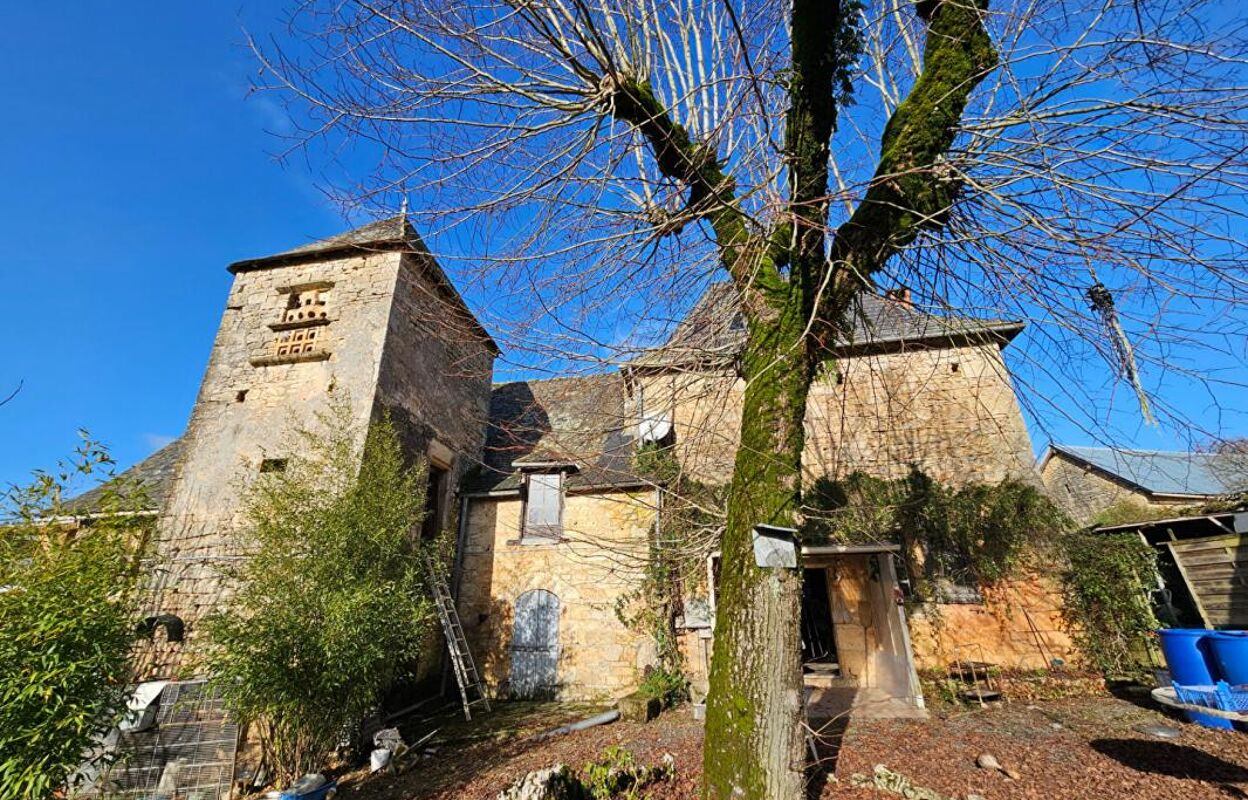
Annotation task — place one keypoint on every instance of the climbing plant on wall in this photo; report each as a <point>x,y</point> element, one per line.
<point>976,534</point>
<point>1107,580</point>
<point>686,531</point>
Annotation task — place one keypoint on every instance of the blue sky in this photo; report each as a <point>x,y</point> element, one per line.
<point>135,168</point>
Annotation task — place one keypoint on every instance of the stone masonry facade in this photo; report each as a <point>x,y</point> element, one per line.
<point>370,349</point>
<point>597,566</point>
<point>1084,492</point>
<point>950,411</point>
<point>369,317</point>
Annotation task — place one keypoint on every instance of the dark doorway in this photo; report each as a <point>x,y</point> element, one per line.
<point>435,504</point>
<point>818,633</point>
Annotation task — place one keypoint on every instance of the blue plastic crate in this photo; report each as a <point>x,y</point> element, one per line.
<point>1232,698</point>
<point>1206,696</point>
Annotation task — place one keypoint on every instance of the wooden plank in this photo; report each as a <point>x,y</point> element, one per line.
<point>1216,572</point>
<point>1215,560</point>
<point>1211,541</point>
<point>1219,545</point>
<point>1224,586</point>
<point>1200,609</point>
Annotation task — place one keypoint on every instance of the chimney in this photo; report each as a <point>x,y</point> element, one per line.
<point>899,295</point>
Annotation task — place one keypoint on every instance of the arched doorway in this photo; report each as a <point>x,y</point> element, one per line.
<point>535,645</point>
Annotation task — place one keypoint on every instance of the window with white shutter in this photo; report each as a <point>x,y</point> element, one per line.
<point>543,506</point>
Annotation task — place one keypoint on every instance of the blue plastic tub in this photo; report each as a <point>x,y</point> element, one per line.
<point>1230,655</point>
<point>1188,656</point>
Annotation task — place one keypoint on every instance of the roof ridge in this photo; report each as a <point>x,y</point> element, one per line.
<point>613,371</point>
<point>1134,451</point>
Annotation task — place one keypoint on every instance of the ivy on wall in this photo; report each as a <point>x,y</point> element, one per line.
<point>1107,606</point>
<point>969,536</point>
<point>973,535</point>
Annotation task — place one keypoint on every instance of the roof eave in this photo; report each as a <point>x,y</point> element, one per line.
<point>320,254</point>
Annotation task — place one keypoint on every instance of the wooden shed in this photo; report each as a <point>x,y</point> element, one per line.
<point>1203,561</point>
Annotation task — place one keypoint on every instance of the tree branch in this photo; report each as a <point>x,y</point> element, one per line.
<point>912,187</point>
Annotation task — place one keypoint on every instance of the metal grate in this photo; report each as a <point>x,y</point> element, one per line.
<point>188,753</point>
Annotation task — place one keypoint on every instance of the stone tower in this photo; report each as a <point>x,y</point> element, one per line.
<point>367,316</point>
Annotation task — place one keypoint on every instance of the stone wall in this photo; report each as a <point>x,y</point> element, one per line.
<point>1018,626</point>
<point>245,413</point>
<point>1084,492</point>
<point>435,375</point>
<point>390,340</point>
<point>601,560</point>
<point>437,367</point>
<point>950,411</point>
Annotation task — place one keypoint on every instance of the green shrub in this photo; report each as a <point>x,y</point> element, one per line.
<point>618,775</point>
<point>67,622</point>
<point>1106,599</point>
<point>667,686</point>
<point>332,605</point>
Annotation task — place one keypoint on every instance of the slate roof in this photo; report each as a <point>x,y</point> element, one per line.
<point>714,329</point>
<point>154,474</point>
<point>1163,472</point>
<point>579,421</point>
<point>385,234</point>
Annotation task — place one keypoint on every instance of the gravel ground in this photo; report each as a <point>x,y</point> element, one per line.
<point>1062,749</point>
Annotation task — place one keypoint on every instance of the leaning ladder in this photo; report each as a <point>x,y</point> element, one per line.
<point>466,674</point>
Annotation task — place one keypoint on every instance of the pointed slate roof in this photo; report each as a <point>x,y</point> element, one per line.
<point>714,329</point>
<point>1163,472</point>
<point>393,234</point>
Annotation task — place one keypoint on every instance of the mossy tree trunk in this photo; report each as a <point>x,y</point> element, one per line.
<point>796,287</point>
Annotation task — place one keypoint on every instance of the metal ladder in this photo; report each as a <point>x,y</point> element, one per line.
<point>466,674</point>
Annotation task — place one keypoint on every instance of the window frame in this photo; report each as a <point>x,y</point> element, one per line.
<point>529,533</point>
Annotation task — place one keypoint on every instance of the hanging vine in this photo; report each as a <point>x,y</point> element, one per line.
<point>974,535</point>
<point>685,532</point>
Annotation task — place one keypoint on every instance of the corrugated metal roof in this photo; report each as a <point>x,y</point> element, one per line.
<point>1165,472</point>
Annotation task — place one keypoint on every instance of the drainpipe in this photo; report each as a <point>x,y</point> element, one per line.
<point>461,536</point>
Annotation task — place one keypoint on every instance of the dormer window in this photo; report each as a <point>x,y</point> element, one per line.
<point>543,507</point>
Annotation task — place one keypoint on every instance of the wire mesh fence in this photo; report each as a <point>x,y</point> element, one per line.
<point>188,752</point>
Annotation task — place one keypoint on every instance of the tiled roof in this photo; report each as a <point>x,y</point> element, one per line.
<point>714,329</point>
<point>1162,472</point>
<point>578,421</point>
<point>154,474</point>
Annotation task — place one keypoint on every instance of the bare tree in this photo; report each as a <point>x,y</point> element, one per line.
<point>1079,163</point>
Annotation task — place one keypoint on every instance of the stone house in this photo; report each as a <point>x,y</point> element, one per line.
<point>1088,481</point>
<point>539,480</point>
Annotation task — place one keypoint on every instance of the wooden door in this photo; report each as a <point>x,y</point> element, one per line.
<point>535,645</point>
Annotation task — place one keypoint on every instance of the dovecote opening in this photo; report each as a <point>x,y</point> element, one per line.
<point>302,329</point>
